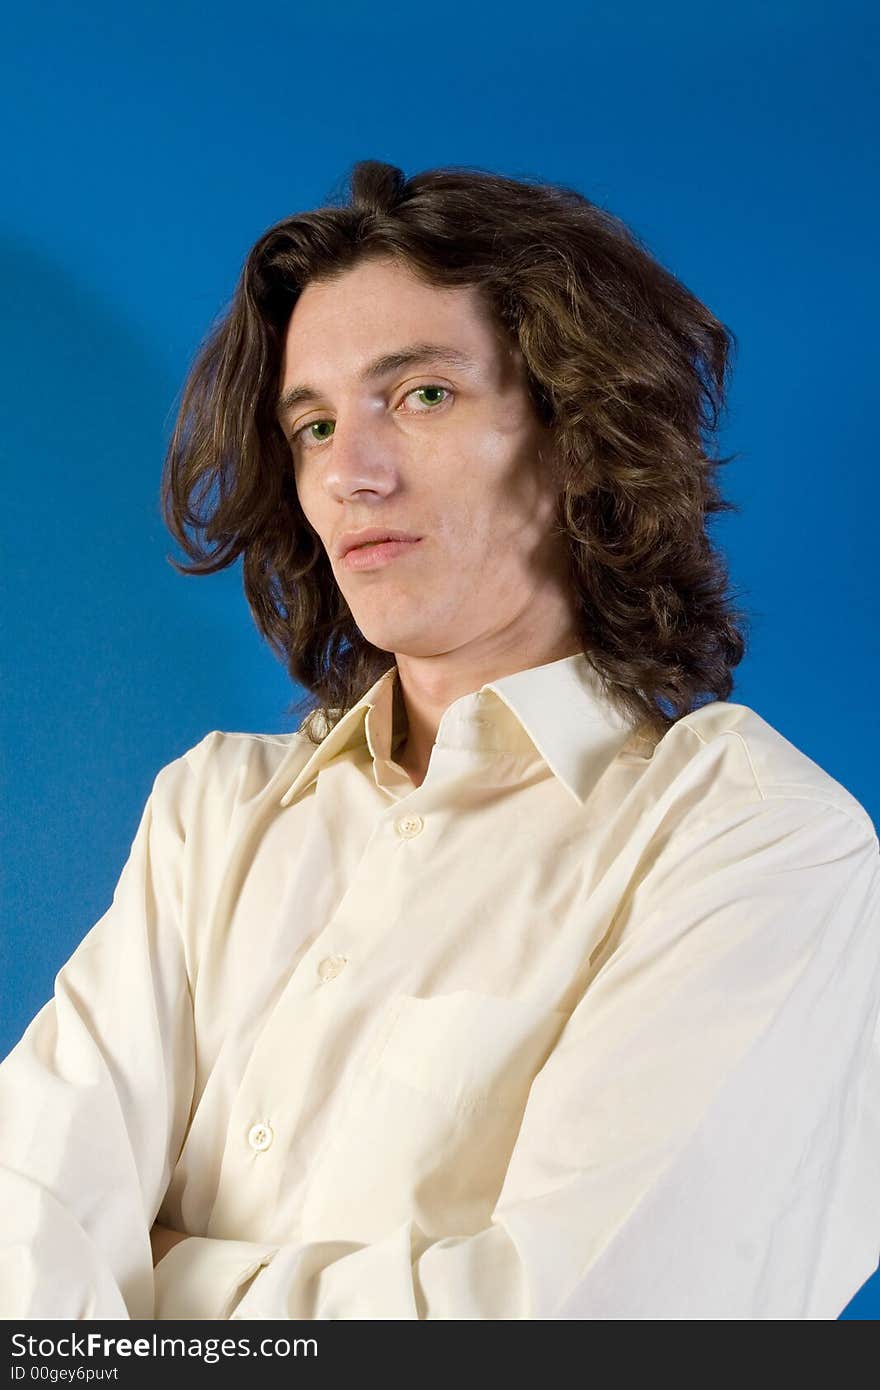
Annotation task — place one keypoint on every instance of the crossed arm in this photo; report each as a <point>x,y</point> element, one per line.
<point>736,1021</point>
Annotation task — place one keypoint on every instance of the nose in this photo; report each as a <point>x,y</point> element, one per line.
<point>362,457</point>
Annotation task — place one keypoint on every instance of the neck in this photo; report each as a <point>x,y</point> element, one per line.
<point>427,686</point>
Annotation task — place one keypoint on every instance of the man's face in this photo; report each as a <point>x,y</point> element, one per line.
<point>448,453</point>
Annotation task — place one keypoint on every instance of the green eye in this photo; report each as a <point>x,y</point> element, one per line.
<point>297,436</point>
<point>421,389</point>
<point>312,425</point>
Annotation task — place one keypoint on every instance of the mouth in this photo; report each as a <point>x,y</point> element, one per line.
<point>376,554</point>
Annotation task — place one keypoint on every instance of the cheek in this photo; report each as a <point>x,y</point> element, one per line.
<point>311,510</point>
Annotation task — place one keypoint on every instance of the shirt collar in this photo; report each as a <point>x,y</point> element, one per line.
<point>560,706</point>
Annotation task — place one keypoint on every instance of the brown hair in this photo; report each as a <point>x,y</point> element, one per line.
<point>624,362</point>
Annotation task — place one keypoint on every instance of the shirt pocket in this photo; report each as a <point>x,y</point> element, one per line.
<point>471,1051</point>
<point>431,1116</point>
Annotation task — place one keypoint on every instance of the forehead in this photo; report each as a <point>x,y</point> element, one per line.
<point>338,325</point>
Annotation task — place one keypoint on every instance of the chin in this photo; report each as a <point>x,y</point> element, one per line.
<point>389,635</point>
<point>399,641</point>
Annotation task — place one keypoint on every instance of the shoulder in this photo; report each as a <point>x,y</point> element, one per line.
<point>730,752</point>
<point>226,769</point>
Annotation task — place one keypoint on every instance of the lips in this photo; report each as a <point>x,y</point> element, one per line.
<point>372,535</point>
<point>377,554</point>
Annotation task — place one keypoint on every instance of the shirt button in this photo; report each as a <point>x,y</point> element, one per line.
<point>260,1137</point>
<point>407,826</point>
<point>331,966</point>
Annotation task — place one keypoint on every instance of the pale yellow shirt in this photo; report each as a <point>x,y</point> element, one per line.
<point>584,1026</point>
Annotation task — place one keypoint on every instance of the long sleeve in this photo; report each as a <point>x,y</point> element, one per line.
<point>96,1095</point>
<point>703,1141</point>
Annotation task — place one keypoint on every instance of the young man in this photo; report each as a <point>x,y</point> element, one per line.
<point>524,981</point>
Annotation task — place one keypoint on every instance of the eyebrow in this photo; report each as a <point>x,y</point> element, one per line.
<point>389,362</point>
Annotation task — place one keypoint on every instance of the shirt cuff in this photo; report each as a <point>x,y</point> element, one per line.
<point>337,1279</point>
<point>203,1277</point>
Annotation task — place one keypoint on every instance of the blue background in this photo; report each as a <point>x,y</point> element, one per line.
<point>145,153</point>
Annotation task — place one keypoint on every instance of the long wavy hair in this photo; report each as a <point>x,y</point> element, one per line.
<point>625,364</point>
